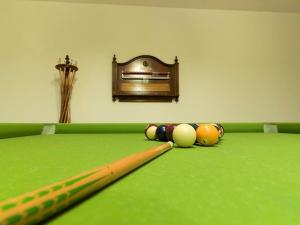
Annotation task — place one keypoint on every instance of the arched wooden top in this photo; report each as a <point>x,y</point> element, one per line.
<point>144,57</point>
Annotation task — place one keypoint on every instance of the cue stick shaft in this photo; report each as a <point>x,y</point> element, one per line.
<point>67,97</point>
<point>25,211</point>
<point>65,108</point>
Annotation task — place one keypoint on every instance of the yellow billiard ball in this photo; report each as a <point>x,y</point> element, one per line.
<point>207,135</point>
<point>150,131</point>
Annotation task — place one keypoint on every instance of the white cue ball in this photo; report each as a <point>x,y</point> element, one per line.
<point>151,133</point>
<point>184,135</point>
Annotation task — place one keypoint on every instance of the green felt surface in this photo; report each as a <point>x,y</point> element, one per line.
<point>249,178</point>
<point>8,130</point>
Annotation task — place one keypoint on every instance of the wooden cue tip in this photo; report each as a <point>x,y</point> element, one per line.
<point>171,143</point>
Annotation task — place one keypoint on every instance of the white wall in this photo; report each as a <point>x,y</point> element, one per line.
<point>234,65</point>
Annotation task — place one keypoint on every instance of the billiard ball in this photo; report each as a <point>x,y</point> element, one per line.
<point>184,135</point>
<point>161,133</point>
<point>218,128</point>
<point>221,129</point>
<point>207,135</point>
<point>150,131</point>
<point>169,131</point>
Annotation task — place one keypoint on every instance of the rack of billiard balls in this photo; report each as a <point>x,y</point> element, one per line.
<point>186,135</point>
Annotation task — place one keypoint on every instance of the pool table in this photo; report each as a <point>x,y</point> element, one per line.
<point>249,178</point>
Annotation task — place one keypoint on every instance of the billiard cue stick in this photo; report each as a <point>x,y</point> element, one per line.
<point>62,87</point>
<point>67,97</point>
<point>66,106</point>
<point>43,203</point>
<point>64,98</point>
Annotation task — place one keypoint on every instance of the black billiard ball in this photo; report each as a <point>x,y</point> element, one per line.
<point>161,133</point>
<point>169,131</point>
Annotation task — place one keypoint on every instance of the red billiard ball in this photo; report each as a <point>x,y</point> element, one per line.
<point>169,132</point>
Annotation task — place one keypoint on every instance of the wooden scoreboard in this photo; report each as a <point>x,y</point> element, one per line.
<point>145,78</point>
